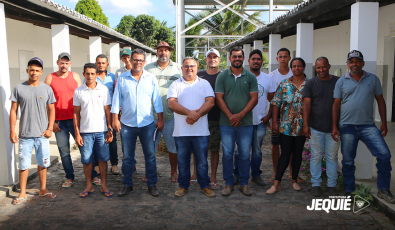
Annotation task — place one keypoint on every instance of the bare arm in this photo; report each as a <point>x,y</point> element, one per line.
<point>48,79</point>
<point>335,118</point>
<point>13,111</point>
<point>219,98</point>
<point>77,78</point>
<point>76,121</point>
<point>207,106</point>
<point>177,108</point>
<point>266,118</point>
<point>51,120</point>
<point>276,111</point>
<point>109,135</point>
<point>383,114</point>
<point>306,115</point>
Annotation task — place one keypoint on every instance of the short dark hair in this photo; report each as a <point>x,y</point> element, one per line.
<point>189,58</point>
<point>138,51</point>
<point>322,58</point>
<point>90,66</point>
<point>256,51</point>
<point>297,59</point>
<point>102,56</point>
<point>237,48</point>
<point>284,49</point>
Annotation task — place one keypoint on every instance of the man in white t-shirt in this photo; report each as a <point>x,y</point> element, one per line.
<point>260,115</point>
<point>92,125</point>
<point>191,98</point>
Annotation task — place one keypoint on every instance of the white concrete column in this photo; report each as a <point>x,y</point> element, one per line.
<point>180,42</point>
<point>258,45</point>
<point>148,58</point>
<point>270,10</point>
<point>363,37</point>
<point>304,45</point>
<point>247,51</point>
<point>227,59</point>
<point>274,46</point>
<point>154,58</point>
<point>60,42</point>
<point>94,48</point>
<point>114,57</point>
<point>8,170</point>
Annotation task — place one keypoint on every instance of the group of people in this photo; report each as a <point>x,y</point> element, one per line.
<point>196,112</point>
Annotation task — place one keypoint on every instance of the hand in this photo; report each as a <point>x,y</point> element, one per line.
<point>160,124</point>
<point>14,137</point>
<point>265,119</point>
<point>109,136</point>
<point>116,125</point>
<point>383,130</point>
<point>47,133</point>
<point>193,115</point>
<point>335,134</point>
<point>79,141</point>
<point>275,128</point>
<point>306,131</point>
<point>190,121</point>
<point>56,127</point>
<point>235,119</point>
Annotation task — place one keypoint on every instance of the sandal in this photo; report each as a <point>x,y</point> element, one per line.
<point>85,192</point>
<point>97,182</point>
<point>272,190</point>
<point>17,201</point>
<point>48,195</point>
<point>215,186</point>
<point>67,184</point>
<point>192,182</point>
<point>108,194</point>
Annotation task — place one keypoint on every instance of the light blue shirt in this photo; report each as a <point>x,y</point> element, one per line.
<point>137,99</point>
<point>109,81</point>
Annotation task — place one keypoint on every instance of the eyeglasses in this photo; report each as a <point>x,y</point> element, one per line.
<point>138,60</point>
<point>188,66</point>
<point>235,56</point>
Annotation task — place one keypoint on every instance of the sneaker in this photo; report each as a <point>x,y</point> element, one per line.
<point>258,180</point>
<point>236,180</point>
<point>316,191</point>
<point>245,190</point>
<point>208,192</point>
<point>180,192</point>
<point>332,191</point>
<point>386,195</point>
<point>227,190</point>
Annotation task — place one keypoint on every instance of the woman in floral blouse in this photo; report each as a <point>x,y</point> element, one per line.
<point>288,102</point>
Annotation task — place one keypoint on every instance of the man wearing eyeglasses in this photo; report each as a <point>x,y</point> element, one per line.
<point>191,98</point>
<point>137,93</point>
<point>236,93</point>
<point>166,71</point>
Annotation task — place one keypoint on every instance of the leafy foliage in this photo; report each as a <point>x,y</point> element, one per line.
<point>364,192</point>
<point>92,9</point>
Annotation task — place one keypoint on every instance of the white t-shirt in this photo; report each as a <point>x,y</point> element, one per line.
<point>92,102</point>
<point>265,85</point>
<point>191,96</point>
<point>278,77</point>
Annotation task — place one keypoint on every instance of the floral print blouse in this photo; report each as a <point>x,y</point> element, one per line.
<point>289,98</point>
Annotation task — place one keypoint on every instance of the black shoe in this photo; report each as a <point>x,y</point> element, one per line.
<point>153,191</point>
<point>125,190</point>
<point>236,180</point>
<point>332,191</point>
<point>258,180</point>
<point>316,191</point>
<point>386,195</point>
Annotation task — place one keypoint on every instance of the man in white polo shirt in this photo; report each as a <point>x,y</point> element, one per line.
<point>191,98</point>
<point>92,125</point>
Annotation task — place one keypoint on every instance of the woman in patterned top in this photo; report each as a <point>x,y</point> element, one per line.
<point>288,102</point>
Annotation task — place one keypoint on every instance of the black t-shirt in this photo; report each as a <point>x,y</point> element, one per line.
<point>321,94</point>
<point>213,115</point>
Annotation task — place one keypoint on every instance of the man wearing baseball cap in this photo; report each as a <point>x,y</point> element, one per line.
<point>63,83</point>
<point>166,71</point>
<point>125,56</point>
<point>353,120</point>
<point>35,100</point>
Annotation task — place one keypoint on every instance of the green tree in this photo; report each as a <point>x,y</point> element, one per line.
<point>92,9</point>
<point>125,25</point>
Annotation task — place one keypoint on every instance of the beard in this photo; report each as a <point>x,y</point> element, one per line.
<point>163,59</point>
<point>255,69</point>
<point>237,66</point>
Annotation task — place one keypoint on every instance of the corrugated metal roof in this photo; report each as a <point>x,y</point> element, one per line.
<point>249,2</point>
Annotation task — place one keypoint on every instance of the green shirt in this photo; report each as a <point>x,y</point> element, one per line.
<point>236,93</point>
<point>165,77</point>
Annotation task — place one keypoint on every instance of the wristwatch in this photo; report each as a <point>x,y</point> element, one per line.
<point>111,129</point>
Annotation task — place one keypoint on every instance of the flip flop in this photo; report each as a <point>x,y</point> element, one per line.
<point>108,193</point>
<point>17,201</point>
<point>192,182</point>
<point>215,186</point>
<point>85,192</point>
<point>68,184</point>
<point>97,182</point>
<point>48,195</point>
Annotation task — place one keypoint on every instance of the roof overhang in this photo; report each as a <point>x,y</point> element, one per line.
<point>249,2</point>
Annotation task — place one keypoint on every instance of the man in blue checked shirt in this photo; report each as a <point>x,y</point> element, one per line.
<point>137,93</point>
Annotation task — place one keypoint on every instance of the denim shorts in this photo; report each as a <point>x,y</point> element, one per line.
<point>102,149</point>
<point>167,133</point>
<point>26,145</point>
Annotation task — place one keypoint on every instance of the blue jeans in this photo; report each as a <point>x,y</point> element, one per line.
<point>199,145</point>
<point>256,156</point>
<point>371,136</point>
<point>129,138</point>
<point>26,145</point>
<point>94,144</point>
<point>320,143</point>
<point>242,136</point>
<point>63,142</point>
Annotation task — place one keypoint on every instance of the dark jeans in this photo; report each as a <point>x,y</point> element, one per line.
<point>290,145</point>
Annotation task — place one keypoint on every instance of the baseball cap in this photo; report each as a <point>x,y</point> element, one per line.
<point>355,54</point>
<point>36,61</point>
<point>125,51</point>
<point>64,54</point>
<point>213,51</point>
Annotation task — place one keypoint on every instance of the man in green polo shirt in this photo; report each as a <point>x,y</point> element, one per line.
<point>166,72</point>
<point>236,93</point>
